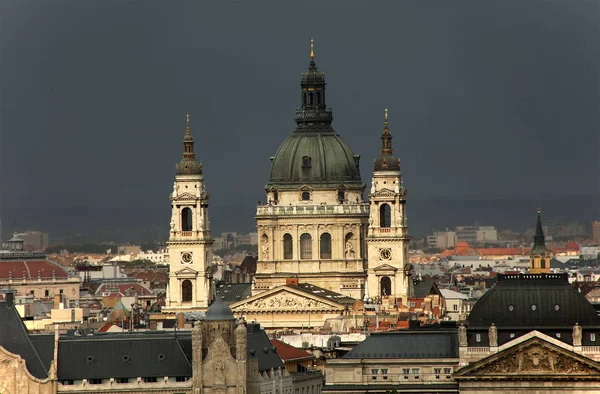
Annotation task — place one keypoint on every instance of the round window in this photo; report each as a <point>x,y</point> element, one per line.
<point>533,307</point>
<point>511,308</point>
<point>556,307</point>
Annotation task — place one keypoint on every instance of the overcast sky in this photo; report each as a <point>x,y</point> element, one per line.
<point>485,98</point>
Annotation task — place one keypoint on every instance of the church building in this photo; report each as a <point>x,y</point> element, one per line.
<point>316,226</point>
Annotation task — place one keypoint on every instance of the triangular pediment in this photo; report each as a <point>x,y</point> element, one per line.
<point>185,196</point>
<point>384,193</point>
<point>284,298</point>
<point>385,267</point>
<point>532,357</point>
<point>187,271</point>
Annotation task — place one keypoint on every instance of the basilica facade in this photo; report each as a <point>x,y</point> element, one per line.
<point>316,225</point>
<point>315,228</point>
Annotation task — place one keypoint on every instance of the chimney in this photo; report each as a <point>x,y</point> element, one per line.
<point>291,282</point>
<point>180,320</point>
<point>9,297</point>
<point>57,301</point>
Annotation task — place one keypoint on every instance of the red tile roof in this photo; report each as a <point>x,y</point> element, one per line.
<point>31,269</point>
<point>289,353</point>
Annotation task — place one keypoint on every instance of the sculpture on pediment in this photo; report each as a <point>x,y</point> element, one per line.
<point>462,335</point>
<point>536,360</point>
<point>493,335</point>
<point>284,301</point>
<point>577,334</point>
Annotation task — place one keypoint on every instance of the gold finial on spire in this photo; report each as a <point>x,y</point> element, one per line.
<point>312,49</point>
<point>385,116</point>
<point>539,210</point>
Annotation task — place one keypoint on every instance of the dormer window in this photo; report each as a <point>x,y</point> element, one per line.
<point>305,196</point>
<point>341,195</point>
<point>306,162</point>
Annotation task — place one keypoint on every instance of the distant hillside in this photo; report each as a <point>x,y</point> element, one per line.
<point>76,225</point>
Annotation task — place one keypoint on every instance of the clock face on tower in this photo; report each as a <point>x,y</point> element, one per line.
<point>187,257</point>
<point>385,254</point>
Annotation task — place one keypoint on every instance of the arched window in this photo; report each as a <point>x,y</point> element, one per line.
<point>385,216</point>
<point>186,291</point>
<point>311,96</point>
<point>305,246</point>
<point>288,247</point>
<point>386,286</point>
<point>542,263</point>
<point>325,247</point>
<point>186,219</point>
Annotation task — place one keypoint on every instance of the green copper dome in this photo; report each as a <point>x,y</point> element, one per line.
<point>316,159</point>
<point>314,154</point>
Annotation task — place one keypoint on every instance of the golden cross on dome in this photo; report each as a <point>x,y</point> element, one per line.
<point>385,116</point>
<point>312,48</point>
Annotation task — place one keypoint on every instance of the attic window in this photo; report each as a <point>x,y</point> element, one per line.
<point>125,358</point>
<point>306,162</point>
<point>305,196</point>
<point>556,307</point>
<point>533,307</point>
<point>511,308</point>
<point>89,359</point>
<point>161,357</point>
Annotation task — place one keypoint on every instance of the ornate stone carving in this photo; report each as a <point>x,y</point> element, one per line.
<point>462,335</point>
<point>265,250</point>
<point>577,334</point>
<point>537,359</point>
<point>286,301</point>
<point>217,362</point>
<point>493,335</point>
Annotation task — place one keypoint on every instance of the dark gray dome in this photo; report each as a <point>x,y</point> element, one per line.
<point>219,311</point>
<point>316,159</point>
<point>534,300</point>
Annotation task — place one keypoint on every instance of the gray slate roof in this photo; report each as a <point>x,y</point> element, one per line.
<point>419,343</point>
<point>234,292</point>
<point>14,338</point>
<point>532,300</point>
<point>123,355</point>
<point>325,294</point>
<point>425,288</point>
<point>259,346</point>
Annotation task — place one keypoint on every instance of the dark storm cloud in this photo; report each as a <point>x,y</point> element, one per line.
<point>485,98</point>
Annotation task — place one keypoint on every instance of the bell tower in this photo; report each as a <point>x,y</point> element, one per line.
<point>540,255</point>
<point>190,241</point>
<point>387,240</point>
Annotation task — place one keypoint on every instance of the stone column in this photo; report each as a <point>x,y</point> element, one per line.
<point>197,358</point>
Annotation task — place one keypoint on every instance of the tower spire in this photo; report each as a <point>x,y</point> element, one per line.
<point>312,49</point>
<point>188,141</point>
<point>386,137</point>
<point>386,160</point>
<point>538,238</point>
